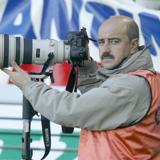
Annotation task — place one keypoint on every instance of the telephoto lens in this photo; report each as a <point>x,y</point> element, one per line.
<point>31,51</point>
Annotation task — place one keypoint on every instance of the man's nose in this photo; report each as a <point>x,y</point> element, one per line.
<point>106,47</point>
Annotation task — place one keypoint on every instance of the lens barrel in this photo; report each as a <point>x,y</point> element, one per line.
<point>30,51</point>
<point>15,49</point>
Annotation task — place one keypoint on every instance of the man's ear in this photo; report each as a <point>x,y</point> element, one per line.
<point>134,45</point>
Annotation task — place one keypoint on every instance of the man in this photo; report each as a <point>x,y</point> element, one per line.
<point>118,108</point>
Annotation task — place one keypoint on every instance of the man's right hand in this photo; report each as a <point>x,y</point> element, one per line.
<point>19,77</point>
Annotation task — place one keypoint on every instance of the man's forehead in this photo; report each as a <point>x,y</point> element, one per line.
<point>109,30</point>
<point>111,34</point>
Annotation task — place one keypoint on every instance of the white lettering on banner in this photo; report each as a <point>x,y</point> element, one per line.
<point>36,16</point>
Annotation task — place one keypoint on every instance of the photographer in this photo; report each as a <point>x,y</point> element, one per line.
<point>118,109</point>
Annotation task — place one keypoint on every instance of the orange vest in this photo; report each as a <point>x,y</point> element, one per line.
<point>140,141</point>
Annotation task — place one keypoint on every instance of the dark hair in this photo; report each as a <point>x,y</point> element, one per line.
<point>132,30</point>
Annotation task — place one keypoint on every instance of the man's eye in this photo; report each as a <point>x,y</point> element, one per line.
<point>100,42</point>
<point>114,41</point>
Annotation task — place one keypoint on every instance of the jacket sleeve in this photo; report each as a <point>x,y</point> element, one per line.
<point>119,101</point>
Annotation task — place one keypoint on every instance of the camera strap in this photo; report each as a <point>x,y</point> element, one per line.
<point>71,86</point>
<point>44,121</point>
<point>46,131</point>
<point>72,81</point>
<point>46,135</point>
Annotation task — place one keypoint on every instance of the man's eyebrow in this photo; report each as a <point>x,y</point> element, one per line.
<point>113,38</point>
<point>101,39</point>
<point>109,38</point>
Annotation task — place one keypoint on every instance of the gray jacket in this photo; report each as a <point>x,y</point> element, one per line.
<point>110,98</point>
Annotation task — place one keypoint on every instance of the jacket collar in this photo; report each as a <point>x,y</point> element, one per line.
<point>139,60</point>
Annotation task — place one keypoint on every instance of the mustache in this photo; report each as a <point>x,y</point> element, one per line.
<point>106,55</point>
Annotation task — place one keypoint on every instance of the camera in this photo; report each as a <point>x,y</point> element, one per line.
<point>34,51</point>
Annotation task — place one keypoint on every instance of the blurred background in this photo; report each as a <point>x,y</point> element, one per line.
<point>53,19</point>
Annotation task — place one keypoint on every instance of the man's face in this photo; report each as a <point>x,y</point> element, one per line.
<point>114,44</point>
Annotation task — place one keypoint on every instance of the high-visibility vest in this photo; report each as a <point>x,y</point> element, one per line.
<point>140,141</point>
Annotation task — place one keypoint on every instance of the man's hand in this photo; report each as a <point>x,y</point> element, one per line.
<point>18,77</point>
